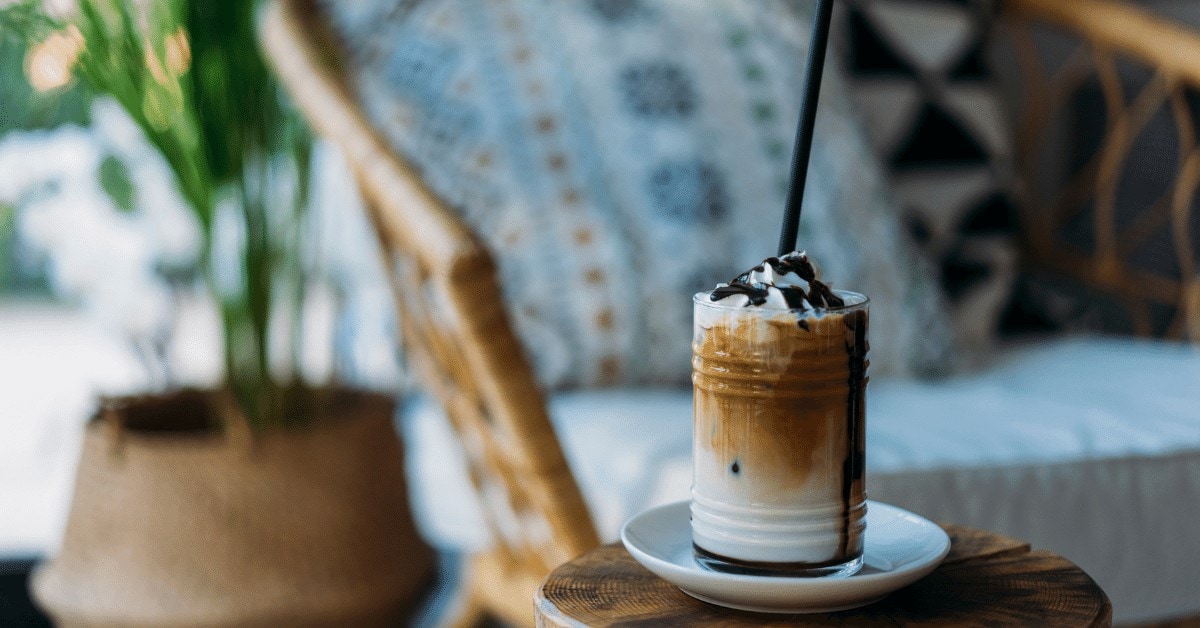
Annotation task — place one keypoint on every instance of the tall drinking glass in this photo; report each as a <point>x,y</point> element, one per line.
<point>778,437</point>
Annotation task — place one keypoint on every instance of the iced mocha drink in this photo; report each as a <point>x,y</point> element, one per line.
<point>779,370</point>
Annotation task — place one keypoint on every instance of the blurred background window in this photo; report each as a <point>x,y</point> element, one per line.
<point>26,108</point>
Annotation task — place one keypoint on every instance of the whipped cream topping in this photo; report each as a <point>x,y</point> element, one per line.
<point>790,282</point>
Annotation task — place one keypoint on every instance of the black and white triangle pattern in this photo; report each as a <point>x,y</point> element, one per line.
<point>920,78</point>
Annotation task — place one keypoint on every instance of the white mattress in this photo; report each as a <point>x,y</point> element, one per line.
<point>1086,447</point>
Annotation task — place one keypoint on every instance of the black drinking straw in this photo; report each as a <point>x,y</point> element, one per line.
<point>804,131</point>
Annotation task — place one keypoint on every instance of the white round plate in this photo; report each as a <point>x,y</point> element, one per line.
<point>899,549</point>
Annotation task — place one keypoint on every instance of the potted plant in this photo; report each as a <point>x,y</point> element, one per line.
<point>266,499</point>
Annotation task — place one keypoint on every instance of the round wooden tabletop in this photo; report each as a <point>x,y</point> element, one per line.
<point>987,579</point>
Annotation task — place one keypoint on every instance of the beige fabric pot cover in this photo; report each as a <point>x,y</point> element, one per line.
<point>308,526</point>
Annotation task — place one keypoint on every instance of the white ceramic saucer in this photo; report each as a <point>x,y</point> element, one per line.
<point>899,549</point>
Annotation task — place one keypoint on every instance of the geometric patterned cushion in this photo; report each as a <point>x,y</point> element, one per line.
<point>617,156</point>
<point>918,73</point>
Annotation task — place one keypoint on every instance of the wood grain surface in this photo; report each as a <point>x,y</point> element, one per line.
<point>986,580</point>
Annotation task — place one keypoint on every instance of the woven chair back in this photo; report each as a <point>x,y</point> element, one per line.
<point>1136,75</point>
<point>455,332</point>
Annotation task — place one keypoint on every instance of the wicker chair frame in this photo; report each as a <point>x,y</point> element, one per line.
<point>456,333</point>
<point>1108,32</point>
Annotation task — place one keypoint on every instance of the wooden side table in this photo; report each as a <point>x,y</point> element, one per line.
<point>987,579</point>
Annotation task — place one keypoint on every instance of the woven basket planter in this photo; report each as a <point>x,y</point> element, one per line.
<point>176,523</point>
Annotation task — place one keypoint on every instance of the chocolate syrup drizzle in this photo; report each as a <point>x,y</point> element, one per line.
<point>854,465</point>
<point>818,295</point>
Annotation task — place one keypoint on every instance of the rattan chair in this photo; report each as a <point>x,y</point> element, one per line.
<point>1111,35</point>
<point>469,358</point>
<point>463,349</point>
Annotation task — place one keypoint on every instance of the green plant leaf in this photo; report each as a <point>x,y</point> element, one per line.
<point>190,74</point>
<point>26,21</point>
<point>115,179</point>
<point>21,107</point>
<point>6,245</point>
